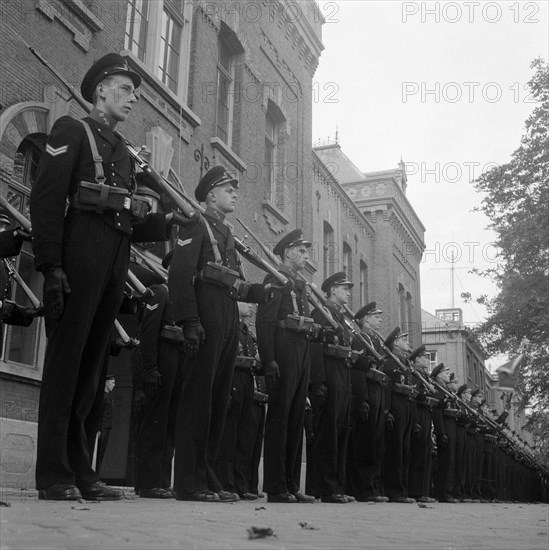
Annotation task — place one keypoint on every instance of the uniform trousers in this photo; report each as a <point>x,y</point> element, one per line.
<point>327,462</point>
<point>444,480</point>
<point>459,462</point>
<point>286,414</point>
<point>95,260</point>
<point>489,471</point>
<point>478,465</point>
<point>154,446</point>
<point>257,429</point>
<point>420,451</point>
<point>367,446</point>
<point>234,462</point>
<point>207,382</point>
<point>397,448</point>
<point>470,452</point>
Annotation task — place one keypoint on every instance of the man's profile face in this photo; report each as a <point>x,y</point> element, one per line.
<point>373,321</point>
<point>223,198</point>
<point>117,96</point>
<point>297,256</point>
<point>340,294</point>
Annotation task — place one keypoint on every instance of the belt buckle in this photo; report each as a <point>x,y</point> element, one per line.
<point>127,203</point>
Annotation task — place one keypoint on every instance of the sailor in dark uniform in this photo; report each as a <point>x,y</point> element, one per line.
<point>160,353</point>
<point>83,255</point>
<point>284,328</point>
<point>368,434</point>
<point>330,396</point>
<point>205,283</point>
<point>397,439</point>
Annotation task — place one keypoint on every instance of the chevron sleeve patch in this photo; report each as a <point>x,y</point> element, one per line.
<point>56,151</point>
<point>185,242</point>
<point>152,307</point>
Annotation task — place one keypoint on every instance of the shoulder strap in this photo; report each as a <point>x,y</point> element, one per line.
<point>213,240</point>
<point>97,158</point>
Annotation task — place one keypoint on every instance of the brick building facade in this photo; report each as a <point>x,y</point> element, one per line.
<point>224,82</point>
<point>390,248</point>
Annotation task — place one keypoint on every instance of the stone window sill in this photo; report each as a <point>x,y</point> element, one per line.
<point>220,145</point>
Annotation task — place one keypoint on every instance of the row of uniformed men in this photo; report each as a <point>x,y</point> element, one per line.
<point>83,252</point>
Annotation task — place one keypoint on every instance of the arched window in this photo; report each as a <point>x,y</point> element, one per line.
<point>363,283</point>
<point>329,258</point>
<point>409,311</point>
<point>348,260</point>
<point>21,344</point>
<point>401,306</point>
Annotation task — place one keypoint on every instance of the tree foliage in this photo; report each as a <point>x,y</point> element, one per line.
<point>516,200</point>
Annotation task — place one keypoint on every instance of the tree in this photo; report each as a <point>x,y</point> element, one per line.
<point>516,200</point>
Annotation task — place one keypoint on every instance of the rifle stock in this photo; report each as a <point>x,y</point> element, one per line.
<point>162,273</point>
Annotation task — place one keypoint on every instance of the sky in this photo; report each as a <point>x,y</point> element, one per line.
<point>442,85</point>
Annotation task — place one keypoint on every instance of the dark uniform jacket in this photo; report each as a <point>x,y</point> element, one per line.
<point>339,337</point>
<point>156,314</point>
<point>67,160</point>
<point>192,252</point>
<point>280,305</point>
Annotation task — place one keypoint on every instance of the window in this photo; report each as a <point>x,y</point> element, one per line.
<point>22,344</point>
<point>137,19</point>
<point>225,88</point>
<point>432,359</point>
<point>170,48</point>
<point>363,283</point>
<point>401,306</point>
<point>329,250</point>
<point>409,311</point>
<point>270,157</point>
<point>347,261</point>
<point>158,34</point>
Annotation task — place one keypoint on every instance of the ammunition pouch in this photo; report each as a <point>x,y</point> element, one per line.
<point>220,275</point>
<point>377,376</point>
<point>140,207</point>
<point>355,355</point>
<point>450,412</point>
<point>172,334</point>
<point>339,352</point>
<point>300,324</point>
<point>98,197</point>
<point>491,438</point>
<point>402,389</point>
<point>243,362</point>
<point>429,402</point>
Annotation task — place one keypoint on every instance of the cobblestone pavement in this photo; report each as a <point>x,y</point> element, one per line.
<point>144,523</point>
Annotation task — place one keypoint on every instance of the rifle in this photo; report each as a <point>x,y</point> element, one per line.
<point>157,270</point>
<point>244,249</point>
<point>12,272</point>
<point>313,299</point>
<point>160,181</point>
<point>124,336</point>
<point>139,287</point>
<point>15,214</point>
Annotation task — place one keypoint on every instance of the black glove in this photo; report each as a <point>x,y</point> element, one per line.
<point>272,374</point>
<point>14,314</point>
<point>363,411</point>
<point>20,235</point>
<point>319,394</point>
<point>152,380</point>
<point>389,421</point>
<point>416,430</point>
<point>56,289</point>
<point>194,335</point>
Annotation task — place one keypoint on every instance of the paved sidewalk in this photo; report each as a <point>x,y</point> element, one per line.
<point>142,523</point>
